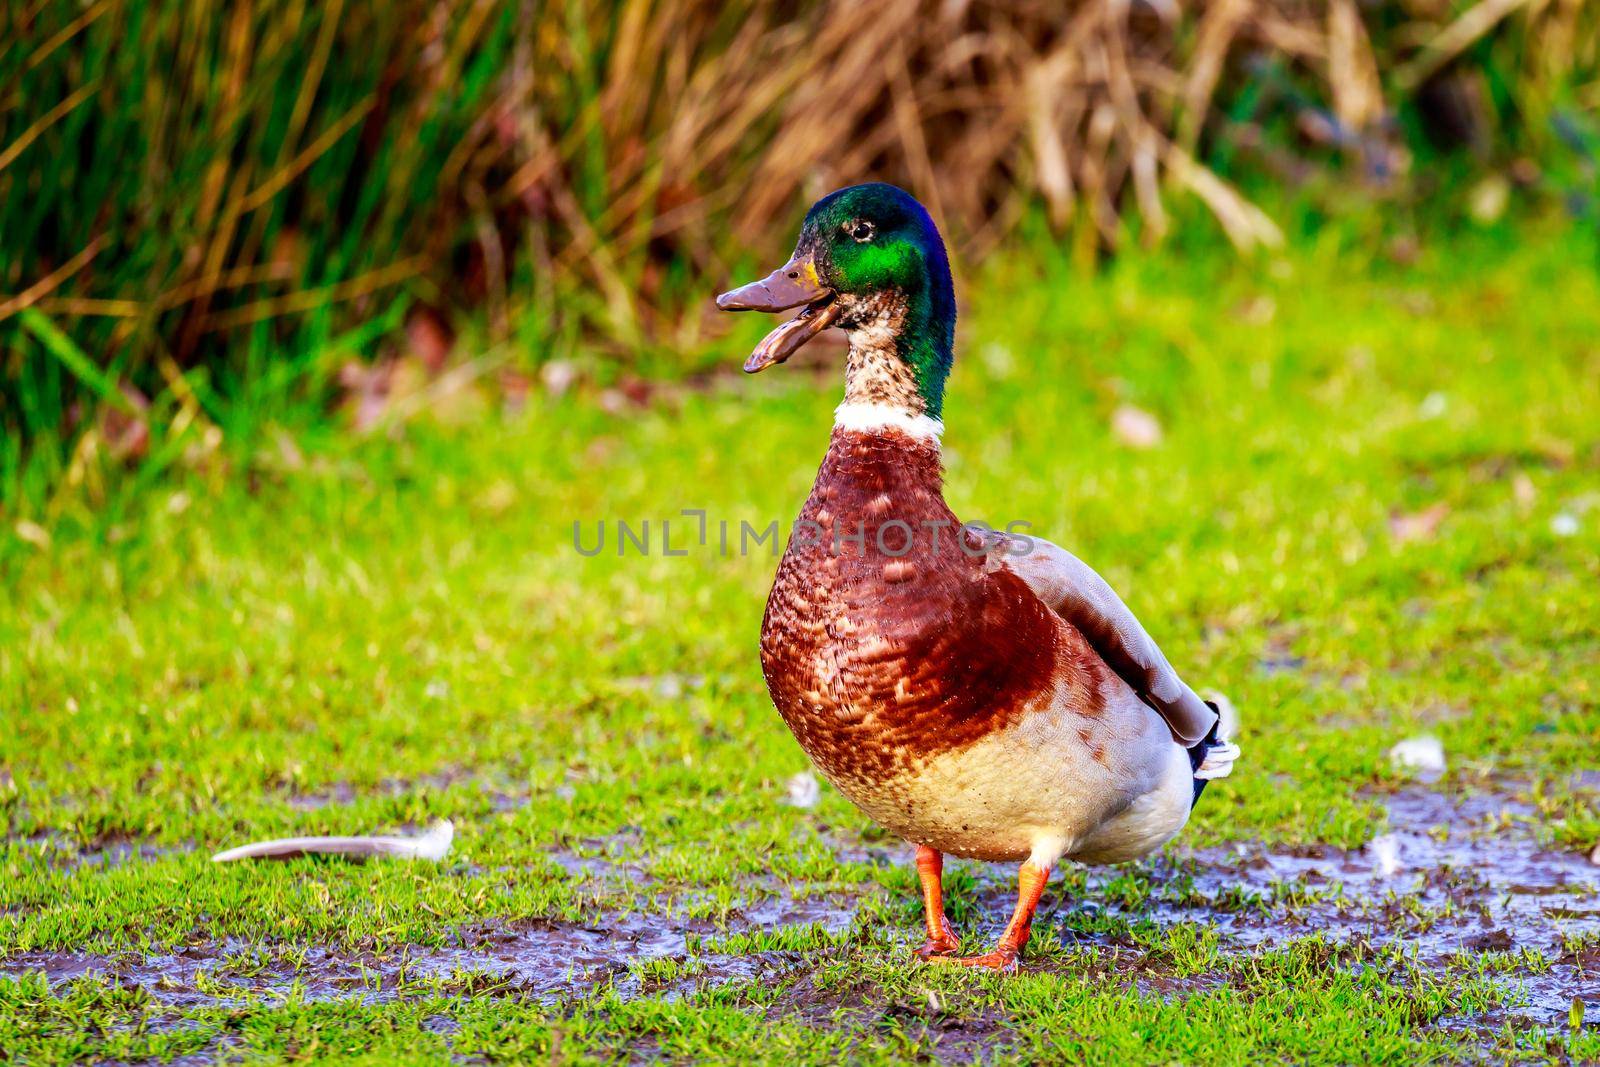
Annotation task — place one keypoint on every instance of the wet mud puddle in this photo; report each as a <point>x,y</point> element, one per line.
<point>630,952</point>
<point>1453,875</point>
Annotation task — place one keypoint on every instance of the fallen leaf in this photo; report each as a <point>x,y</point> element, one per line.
<point>514,389</point>
<point>1257,311</point>
<point>639,391</point>
<point>1417,525</point>
<point>430,337</point>
<point>1403,249</point>
<point>33,533</point>
<point>499,497</point>
<point>1487,200</point>
<point>366,391</point>
<point>289,455</point>
<point>125,430</point>
<point>998,360</point>
<point>558,376</point>
<point>1135,427</point>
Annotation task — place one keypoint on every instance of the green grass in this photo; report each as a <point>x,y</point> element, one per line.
<point>369,633</point>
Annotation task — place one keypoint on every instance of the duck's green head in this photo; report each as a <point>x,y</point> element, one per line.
<point>869,260</point>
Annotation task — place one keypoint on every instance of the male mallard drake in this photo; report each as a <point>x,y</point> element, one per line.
<point>978,694</point>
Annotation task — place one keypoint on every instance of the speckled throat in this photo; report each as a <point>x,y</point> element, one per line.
<point>876,372</point>
<point>899,352</point>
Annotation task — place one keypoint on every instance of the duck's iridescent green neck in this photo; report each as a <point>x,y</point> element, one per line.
<point>927,342</point>
<point>901,348</point>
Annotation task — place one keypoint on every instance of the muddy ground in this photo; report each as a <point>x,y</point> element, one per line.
<point>1454,875</point>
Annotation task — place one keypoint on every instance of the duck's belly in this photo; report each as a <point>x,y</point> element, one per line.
<point>1037,789</point>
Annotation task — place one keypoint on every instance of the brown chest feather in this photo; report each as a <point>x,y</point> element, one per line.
<point>884,641</point>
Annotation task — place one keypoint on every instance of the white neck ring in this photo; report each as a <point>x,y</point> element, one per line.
<point>867,418</point>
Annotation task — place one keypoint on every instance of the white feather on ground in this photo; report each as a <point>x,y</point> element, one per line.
<point>1423,755</point>
<point>802,791</point>
<point>1385,853</point>
<point>432,845</point>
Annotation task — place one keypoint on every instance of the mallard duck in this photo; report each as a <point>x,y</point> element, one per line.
<point>980,694</point>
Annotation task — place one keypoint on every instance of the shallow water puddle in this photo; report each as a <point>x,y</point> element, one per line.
<point>1440,854</point>
<point>1448,875</point>
<point>65,853</point>
<point>1452,875</point>
<point>539,958</point>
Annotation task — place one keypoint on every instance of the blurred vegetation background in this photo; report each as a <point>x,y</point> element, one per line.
<point>220,218</point>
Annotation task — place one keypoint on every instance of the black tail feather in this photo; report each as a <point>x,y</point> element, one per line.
<point>1197,753</point>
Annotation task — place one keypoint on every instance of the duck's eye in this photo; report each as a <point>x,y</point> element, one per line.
<point>860,229</point>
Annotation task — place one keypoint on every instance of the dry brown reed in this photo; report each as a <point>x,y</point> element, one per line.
<point>180,184</point>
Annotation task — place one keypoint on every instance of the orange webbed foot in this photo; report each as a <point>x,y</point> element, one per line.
<point>1002,960</point>
<point>1031,879</point>
<point>939,945</point>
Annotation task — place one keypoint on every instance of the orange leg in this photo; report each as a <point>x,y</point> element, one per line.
<point>1031,881</point>
<point>941,940</point>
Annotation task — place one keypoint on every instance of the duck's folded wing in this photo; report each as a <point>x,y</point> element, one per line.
<point>1080,596</point>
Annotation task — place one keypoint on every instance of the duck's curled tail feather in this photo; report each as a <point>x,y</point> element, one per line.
<point>1214,756</point>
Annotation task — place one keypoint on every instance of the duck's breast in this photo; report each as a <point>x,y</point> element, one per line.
<point>886,640</point>
<point>936,692</point>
